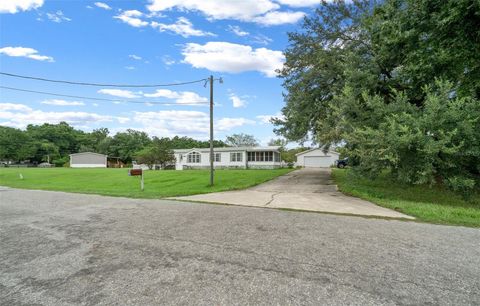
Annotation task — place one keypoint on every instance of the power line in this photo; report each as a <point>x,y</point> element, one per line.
<point>99,84</point>
<point>101,99</point>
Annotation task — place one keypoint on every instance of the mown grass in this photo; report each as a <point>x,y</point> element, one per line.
<point>429,204</point>
<point>116,182</point>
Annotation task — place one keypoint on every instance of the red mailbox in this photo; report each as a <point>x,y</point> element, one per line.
<point>135,172</point>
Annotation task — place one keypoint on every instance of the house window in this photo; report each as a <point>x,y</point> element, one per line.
<point>277,157</point>
<point>260,156</point>
<point>268,156</point>
<point>236,157</point>
<point>193,158</point>
<point>218,157</point>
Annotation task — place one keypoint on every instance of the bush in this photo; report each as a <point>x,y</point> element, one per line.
<point>464,186</point>
<point>429,144</point>
<point>60,162</point>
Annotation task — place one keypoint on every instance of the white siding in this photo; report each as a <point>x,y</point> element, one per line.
<point>181,160</point>
<point>316,159</point>
<point>88,160</point>
<point>88,166</point>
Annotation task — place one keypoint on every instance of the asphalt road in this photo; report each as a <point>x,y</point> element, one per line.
<point>68,249</point>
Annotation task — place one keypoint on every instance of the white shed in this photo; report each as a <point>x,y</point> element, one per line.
<point>88,160</point>
<point>316,158</point>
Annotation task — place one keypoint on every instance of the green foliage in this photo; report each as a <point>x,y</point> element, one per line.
<point>65,138</point>
<point>156,153</point>
<point>462,185</point>
<point>280,142</point>
<point>434,204</point>
<point>15,145</point>
<point>397,83</point>
<point>60,162</point>
<point>55,142</point>
<point>241,140</point>
<point>420,145</point>
<point>125,144</point>
<point>177,142</point>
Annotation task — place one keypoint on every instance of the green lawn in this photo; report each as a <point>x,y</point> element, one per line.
<point>116,182</point>
<point>435,205</point>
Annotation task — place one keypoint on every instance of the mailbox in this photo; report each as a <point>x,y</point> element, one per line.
<point>135,172</point>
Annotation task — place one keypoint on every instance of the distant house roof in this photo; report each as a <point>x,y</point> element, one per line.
<point>229,149</point>
<point>306,151</point>
<point>82,153</point>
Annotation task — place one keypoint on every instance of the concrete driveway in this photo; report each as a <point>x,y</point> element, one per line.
<point>305,189</point>
<point>73,249</point>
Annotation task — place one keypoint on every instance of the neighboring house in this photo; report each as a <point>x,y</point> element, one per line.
<point>316,158</point>
<point>88,160</point>
<point>231,157</point>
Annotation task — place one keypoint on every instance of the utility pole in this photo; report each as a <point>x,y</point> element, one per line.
<point>211,130</point>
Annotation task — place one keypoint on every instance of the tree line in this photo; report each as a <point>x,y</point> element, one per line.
<point>395,83</point>
<point>54,143</point>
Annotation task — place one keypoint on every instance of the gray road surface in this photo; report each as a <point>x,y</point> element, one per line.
<point>71,249</point>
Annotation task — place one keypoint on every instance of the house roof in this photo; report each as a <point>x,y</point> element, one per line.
<point>82,153</point>
<point>304,152</point>
<point>230,149</point>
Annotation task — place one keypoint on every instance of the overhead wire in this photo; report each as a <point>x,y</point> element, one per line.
<point>102,99</point>
<point>100,84</point>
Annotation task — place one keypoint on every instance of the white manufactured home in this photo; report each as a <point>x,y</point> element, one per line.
<point>231,157</point>
<point>316,158</point>
<point>88,160</point>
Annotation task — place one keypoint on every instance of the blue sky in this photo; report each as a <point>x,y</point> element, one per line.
<point>147,42</point>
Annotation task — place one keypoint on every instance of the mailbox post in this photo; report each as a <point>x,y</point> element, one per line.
<point>137,172</point>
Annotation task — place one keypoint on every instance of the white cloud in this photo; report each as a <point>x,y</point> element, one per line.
<point>237,101</point>
<point>25,52</point>
<point>184,123</point>
<point>182,27</point>
<point>168,60</point>
<point>242,10</point>
<point>226,124</point>
<point>260,11</point>
<point>169,123</point>
<point>14,107</point>
<point>277,18</point>
<point>57,17</point>
<point>58,102</point>
<point>21,119</point>
<point>123,120</point>
<point>129,67</point>
<point>119,93</point>
<point>233,58</point>
<point>261,39</point>
<point>102,5</point>
<point>131,17</point>
<point>135,57</point>
<point>299,3</point>
<point>237,31</point>
<point>182,97</point>
<point>266,119</point>
<point>14,6</point>
<point>160,123</point>
<point>21,115</point>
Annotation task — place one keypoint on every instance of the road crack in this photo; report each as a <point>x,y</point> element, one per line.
<point>272,197</point>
